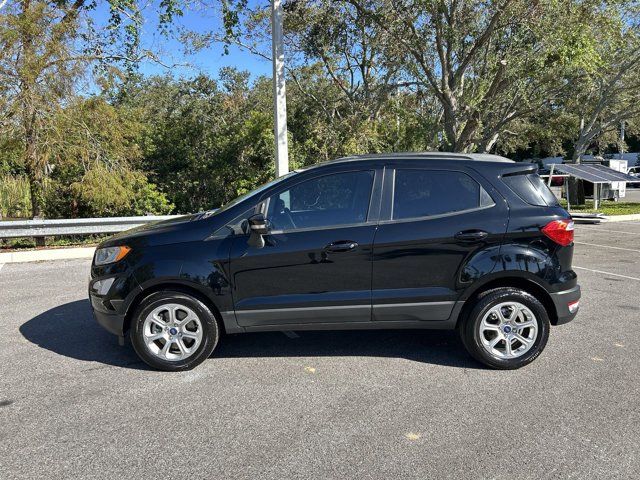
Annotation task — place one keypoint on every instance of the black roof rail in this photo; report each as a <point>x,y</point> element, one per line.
<point>481,157</point>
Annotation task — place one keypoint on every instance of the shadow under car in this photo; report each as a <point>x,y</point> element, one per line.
<point>70,330</point>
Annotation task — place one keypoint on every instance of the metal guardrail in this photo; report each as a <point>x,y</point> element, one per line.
<point>74,226</point>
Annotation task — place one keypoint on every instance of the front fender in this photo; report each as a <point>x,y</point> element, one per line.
<point>198,266</point>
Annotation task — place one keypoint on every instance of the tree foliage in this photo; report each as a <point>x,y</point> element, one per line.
<point>521,78</point>
<point>45,48</point>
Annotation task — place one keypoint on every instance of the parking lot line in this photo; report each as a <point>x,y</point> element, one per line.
<point>1,265</point>
<point>607,273</point>
<point>607,246</point>
<point>618,231</point>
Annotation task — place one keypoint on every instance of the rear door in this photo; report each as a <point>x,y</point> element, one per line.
<point>439,229</point>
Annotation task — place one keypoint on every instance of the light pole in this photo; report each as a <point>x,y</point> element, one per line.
<point>621,139</point>
<point>279,91</point>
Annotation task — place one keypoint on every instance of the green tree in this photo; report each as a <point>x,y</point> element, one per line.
<point>207,141</point>
<point>45,47</point>
<point>95,155</point>
<point>488,64</point>
<point>606,91</point>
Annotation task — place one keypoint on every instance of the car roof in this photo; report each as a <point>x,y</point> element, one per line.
<point>482,157</point>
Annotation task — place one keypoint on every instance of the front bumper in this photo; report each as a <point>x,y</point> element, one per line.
<point>110,307</point>
<point>109,320</point>
<point>563,301</point>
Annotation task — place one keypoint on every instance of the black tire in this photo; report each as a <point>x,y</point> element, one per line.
<point>470,327</point>
<point>210,334</point>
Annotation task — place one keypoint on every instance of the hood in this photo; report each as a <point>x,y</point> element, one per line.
<point>180,229</point>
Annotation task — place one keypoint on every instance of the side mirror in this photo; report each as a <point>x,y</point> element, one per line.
<point>258,226</point>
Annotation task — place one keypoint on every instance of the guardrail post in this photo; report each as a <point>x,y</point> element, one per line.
<point>40,241</point>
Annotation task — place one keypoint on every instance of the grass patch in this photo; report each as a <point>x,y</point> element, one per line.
<point>606,207</point>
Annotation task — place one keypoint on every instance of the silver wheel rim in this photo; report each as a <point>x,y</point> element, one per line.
<point>172,332</point>
<point>508,330</point>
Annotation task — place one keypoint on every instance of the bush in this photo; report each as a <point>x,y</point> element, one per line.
<point>14,197</point>
<point>105,193</point>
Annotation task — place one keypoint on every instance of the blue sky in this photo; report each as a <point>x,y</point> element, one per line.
<point>206,61</point>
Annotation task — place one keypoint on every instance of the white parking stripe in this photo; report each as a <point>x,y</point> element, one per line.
<point>607,246</point>
<point>616,231</point>
<point>1,265</point>
<point>607,273</point>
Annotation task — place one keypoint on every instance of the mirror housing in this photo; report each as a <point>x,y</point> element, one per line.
<point>258,226</point>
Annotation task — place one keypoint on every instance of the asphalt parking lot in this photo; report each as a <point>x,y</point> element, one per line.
<point>380,404</point>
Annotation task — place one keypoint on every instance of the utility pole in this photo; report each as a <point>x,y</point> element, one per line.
<point>279,91</point>
<point>621,139</point>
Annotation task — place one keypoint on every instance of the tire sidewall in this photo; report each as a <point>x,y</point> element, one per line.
<point>472,333</point>
<point>210,331</point>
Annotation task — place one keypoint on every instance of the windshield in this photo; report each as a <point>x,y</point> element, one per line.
<point>247,195</point>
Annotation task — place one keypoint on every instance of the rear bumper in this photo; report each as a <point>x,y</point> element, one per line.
<point>562,302</point>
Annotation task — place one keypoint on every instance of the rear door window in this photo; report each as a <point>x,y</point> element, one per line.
<point>425,193</point>
<point>531,188</point>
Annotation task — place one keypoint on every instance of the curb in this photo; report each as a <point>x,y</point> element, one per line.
<point>45,255</point>
<point>622,218</point>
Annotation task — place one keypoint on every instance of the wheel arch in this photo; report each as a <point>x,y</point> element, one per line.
<point>522,283</point>
<point>173,287</point>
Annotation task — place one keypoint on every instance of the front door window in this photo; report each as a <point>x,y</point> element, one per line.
<point>321,202</point>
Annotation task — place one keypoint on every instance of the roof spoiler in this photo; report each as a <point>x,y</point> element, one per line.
<point>518,169</point>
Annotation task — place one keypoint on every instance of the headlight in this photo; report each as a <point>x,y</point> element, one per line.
<point>110,254</point>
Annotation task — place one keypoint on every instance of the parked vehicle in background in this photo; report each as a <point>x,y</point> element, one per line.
<point>476,243</point>
<point>556,180</point>
<point>634,172</point>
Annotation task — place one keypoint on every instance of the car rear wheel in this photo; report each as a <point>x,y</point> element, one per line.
<point>507,328</point>
<point>173,331</point>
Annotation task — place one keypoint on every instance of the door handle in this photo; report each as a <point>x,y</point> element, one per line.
<point>471,235</point>
<point>341,246</point>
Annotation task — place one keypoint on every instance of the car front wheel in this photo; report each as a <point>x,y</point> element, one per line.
<point>173,331</point>
<point>507,328</point>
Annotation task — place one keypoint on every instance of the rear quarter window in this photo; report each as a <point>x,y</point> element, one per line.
<point>531,188</point>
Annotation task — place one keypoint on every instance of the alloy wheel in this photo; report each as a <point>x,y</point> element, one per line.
<point>508,330</point>
<point>172,332</point>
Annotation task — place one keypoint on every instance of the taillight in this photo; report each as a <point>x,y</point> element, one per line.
<point>560,231</point>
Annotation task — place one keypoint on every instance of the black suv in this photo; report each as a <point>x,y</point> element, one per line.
<point>476,243</point>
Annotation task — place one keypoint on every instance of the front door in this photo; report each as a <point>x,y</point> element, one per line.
<point>315,266</point>
<point>438,228</point>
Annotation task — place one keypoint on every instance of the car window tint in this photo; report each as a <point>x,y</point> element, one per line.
<point>336,199</point>
<point>531,188</point>
<point>423,193</point>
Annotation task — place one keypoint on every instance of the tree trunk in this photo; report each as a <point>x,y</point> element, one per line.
<point>35,173</point>
<point>575,187</point>
<point>487,144</point>
<point>36,191</point>
<point>575,190</point>
<point>28,79</point>
<point>450,130</point>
